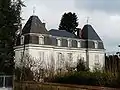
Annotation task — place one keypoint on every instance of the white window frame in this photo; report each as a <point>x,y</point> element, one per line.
<point>96,44</point>
<point>78,44</point>
<point>41,39</point>
<point>58,41</point>
<point>69,42</point>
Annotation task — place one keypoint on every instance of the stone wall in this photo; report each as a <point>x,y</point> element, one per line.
<point>54,86</point>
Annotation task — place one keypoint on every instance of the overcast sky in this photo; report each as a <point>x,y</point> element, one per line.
<point>104,16</point>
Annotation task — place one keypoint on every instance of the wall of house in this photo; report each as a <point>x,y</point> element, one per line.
<point>96,58</point>
<point>59,56</point>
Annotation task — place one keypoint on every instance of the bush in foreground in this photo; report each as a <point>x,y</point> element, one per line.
<point>87,78</point>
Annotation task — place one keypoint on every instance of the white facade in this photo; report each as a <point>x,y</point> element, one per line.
<point>59,47</point>
<point>48,53</point>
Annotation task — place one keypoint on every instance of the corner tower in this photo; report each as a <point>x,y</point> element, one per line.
<point>95,51</point>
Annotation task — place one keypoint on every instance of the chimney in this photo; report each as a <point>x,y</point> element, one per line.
<point>79,32</point>
<point>43,24</point>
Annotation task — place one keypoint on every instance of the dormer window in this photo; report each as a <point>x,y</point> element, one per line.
<point>96,44</point>
<point>59,41</point>
<point>79,44</point>
<point>22,39</point>
<point>41,40</point>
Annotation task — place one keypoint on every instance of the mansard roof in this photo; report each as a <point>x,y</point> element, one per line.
<point>89,33</point>
<point>34,25</point>
<point>62,33</point>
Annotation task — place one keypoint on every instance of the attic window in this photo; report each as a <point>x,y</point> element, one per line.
<point>96,44</point>
<point>41,40</point>
<point>59,42</point>
<point>79,44</point>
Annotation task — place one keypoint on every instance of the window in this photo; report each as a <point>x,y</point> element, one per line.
<point>74,43</point>
<point>64,42</point>
<point>41,40</point>
<point>96,59</point>
<point>8,81</point>
<point>79,44</point>
<point>70,59</point>
<point>59,42</point>
<point>60,60</point>
<point>96,44</point>
<point>22,39</point>
<point>1,81</point>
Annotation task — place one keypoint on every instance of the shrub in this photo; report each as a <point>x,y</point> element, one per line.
<point>87,78</point>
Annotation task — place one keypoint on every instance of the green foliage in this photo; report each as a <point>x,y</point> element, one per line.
<point>69,22</point>
<point>9,23</point>
<point>87,78</point>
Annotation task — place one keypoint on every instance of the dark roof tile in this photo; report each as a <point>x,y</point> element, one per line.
<point>34,25</point>
<point>89,33</point>
<point>62,33</point>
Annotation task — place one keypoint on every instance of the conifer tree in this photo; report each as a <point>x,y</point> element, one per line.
<point>69,22</point>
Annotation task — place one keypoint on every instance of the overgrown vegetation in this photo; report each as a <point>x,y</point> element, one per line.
<point>87,78</point>
<point>80,74</point>
<point>96,77</point>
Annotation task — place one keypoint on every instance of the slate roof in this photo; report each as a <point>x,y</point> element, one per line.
<point>34,25</point>
<point>89,33</point>
<point>62,33</point>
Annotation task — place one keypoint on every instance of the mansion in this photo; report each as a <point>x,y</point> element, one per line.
<point>59,47</point>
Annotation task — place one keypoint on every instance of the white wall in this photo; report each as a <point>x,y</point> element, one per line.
<point>92,59</point>
<point>48,53</point>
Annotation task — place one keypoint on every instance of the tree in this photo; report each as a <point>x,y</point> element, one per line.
<point>10,20</point>
<point>69,22</point>
<point>81,66</point>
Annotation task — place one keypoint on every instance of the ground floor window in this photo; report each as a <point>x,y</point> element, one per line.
<point>96,59</point>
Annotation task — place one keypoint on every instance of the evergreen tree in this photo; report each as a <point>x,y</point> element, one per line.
<point>69,22</point>
<point>9,23</point>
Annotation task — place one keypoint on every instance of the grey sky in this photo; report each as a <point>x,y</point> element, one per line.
<point>104,16</point>
<point>111,6</point>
